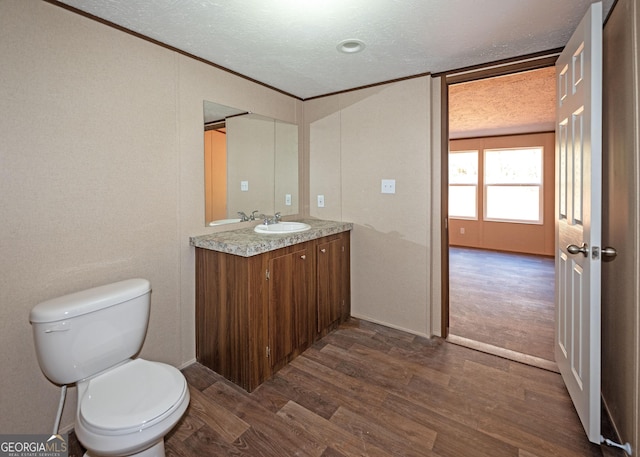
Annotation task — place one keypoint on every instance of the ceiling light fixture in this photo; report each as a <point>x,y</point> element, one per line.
<point>350,46</point>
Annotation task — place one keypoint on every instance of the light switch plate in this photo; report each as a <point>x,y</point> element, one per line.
<point>388,186</point>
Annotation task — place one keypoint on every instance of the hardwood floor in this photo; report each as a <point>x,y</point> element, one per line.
<point>367,390</point>
<point>503,299</point>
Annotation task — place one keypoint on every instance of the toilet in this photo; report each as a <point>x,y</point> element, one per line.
<point>125,405</point>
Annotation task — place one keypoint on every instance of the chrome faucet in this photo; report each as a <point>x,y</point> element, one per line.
<point>245,218</point>
<point>271,220</point>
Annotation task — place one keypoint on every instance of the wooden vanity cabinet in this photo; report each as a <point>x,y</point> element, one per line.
<point>332,282</point>
<point>232,316</point>
<point>290,305</point>
<point>255,314</point>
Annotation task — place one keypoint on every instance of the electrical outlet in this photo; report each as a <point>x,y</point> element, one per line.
<point>287,199</point>
<point>320,201</point>
<point>388,186</point>
<point>461,230</point>
<point>244,186</point>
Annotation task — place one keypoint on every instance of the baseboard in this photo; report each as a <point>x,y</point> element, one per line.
<point>67,428</point>
<point>187,363</point>
<point>386,324</point>
<point>609,428</point>
<point>504,353</point>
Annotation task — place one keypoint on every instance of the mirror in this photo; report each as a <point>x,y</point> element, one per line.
<point>251,163</point>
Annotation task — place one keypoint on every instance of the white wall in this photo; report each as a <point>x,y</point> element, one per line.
<point>101,179</point>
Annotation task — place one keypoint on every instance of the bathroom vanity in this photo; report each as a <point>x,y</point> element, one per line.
<point>262,299</point>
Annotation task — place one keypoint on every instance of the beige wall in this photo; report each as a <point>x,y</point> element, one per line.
<point>355,140</point>
<point>251,158</point>
<point>101,179</point>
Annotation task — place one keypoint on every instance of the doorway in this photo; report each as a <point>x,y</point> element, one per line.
<point>500,214</point>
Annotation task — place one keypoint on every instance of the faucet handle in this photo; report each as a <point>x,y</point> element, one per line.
<point>243,216</point>
<point>253,215</point>
<point>277,217</point>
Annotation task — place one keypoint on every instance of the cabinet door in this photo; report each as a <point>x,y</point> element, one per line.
<point>288,305</point>
<point>329,282</point>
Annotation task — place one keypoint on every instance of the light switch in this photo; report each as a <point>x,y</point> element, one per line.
<point>244,186</point>
<point>388,186</point>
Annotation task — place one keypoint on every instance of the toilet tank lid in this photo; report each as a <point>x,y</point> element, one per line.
<point>88,301</point>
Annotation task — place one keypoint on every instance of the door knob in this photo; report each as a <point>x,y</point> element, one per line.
<point>609,252</point>
<point>573,249</point>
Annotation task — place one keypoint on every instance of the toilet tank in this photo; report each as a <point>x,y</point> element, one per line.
<point>83,333</point>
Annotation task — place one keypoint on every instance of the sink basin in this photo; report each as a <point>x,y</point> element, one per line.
<point>282,227</point>
<point>223,221</point>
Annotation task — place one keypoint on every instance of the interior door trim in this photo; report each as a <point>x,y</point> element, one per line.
<point>490,70</point>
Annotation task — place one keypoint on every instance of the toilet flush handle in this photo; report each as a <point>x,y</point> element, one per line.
<point>64,327</point>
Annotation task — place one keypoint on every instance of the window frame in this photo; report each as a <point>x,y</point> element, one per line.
<point>540,186</point>
<point>476,185</point>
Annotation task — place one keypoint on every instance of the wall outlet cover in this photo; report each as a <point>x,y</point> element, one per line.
<point>388,186</point>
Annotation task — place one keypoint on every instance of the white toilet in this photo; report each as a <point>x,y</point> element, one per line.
<point>125,406</point>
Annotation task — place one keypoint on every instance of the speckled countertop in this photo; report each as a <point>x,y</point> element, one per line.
<point>246,243</point>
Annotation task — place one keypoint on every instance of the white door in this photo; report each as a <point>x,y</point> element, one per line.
<point>578,217</point>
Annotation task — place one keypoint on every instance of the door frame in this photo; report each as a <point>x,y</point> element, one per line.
<point>490,70</point>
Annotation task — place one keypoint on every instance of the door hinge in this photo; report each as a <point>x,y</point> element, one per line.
<point>267,275</point>
<point>268,352</point>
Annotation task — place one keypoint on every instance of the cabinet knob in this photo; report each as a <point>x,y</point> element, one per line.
<point>323,250</point>
<point>303,256</point>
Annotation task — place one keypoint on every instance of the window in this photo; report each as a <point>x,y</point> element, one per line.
<point>513,185</point>
<point>463,184</point>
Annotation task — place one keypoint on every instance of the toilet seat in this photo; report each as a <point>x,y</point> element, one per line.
<point>131,397</point>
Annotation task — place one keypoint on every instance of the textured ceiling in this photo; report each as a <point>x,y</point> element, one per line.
<point>519,103</point>
<point>290,45</point>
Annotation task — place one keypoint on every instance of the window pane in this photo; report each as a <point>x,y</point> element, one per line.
<point>513,166</point>
<point>463,167</point>
<point>462,201</point>
<point>514,203</point>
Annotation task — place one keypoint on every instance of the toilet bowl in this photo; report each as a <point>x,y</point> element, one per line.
<point>125,406</point>
<point>129,408</point>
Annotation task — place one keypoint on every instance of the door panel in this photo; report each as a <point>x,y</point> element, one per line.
<point>288,310</point>
<point>578,218</point>
<point>329,283</point>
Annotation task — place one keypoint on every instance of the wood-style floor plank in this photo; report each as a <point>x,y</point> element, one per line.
<point>367,390</point>
<point>329,433</point>
<point>503,299</point>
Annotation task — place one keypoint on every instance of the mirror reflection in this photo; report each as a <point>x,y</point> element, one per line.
<point>251,165</point>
